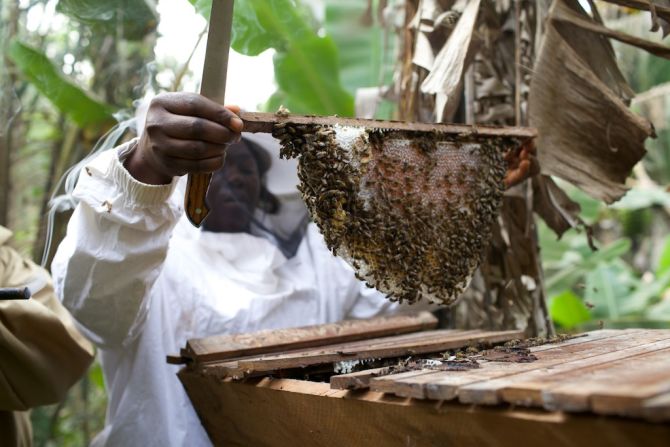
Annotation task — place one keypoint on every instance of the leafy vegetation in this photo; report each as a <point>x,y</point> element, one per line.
<point>307,68</point>
<point>49,80</point>
<point>625,283</point>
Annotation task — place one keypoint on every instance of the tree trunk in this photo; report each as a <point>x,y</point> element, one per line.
<point>9,16</point>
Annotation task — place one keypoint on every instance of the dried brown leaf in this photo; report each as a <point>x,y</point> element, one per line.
<point>660,12</point>
<point>446,74</point>
<point>558,211</point>
<point>570,16</point>
<point>578,103</point>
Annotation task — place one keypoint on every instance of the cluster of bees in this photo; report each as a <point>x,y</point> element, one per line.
<point>410,212</point>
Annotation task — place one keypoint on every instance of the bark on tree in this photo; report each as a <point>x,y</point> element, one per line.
<point>9,13</point>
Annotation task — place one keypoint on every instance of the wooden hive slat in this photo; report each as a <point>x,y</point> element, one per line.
<point>526,387</point>
<point>619,387</point>
<point>225,347</point>
<point>656,409</point>
<point>302,357</point>
<point>485,385</point>
<point>357,380</point>
<point>401,384</point>
<point>446,383</point>
<point>613,372</point>
<point>480,384</point>
<point>433,341</point>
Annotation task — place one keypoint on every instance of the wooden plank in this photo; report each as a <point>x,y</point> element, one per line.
<point>400,384</point>
<point>264,122</point>
<point>619,387</point>
<point>656,409</point>
<point>232,368</point>
<point>444,385</point>
<point>345,351</point>
<point>357,380</point>
<point>525,388</point>
<point>225,347</point>
<point>388,347</point>
<point>290,412</point>
<point>413,385</point>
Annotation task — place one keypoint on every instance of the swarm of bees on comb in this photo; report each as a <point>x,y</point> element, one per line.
<point>411,212</point>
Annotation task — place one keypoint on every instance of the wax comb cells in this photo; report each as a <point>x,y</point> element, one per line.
<point>411,212</point>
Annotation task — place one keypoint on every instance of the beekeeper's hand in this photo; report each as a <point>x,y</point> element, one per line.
<point>521,164</point>
<point>184,133</point>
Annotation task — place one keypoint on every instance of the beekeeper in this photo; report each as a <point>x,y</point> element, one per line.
<point>141,281</point>
<point>41,352</point>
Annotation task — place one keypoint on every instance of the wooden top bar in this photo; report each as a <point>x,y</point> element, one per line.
<point>255,122</point>
<point>224,347</point>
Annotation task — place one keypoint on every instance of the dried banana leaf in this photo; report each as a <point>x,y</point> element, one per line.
<point>660,12</point>
<point>571,17</point>
<point>579,104</point>
<point>557,210</point>
<point>446,74</point>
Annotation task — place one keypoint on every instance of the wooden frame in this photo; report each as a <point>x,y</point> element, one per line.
<point>602,388</point>
<point>283,412</point>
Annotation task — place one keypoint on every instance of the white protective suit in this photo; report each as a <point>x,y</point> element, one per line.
<point>140,288</point>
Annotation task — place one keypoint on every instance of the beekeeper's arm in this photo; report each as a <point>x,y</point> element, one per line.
<point>42,353</point>
<point>118,236</point>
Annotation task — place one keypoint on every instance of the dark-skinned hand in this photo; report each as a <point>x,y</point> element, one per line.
<point>184,133</point>
<point>521,164</point>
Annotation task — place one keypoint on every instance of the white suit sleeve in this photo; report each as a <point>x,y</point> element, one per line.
<point>116,243</point>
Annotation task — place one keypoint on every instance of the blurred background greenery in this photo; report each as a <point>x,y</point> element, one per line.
<point>74,67</point>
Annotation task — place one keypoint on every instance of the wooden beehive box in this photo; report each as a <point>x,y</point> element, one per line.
<point>277,388</point>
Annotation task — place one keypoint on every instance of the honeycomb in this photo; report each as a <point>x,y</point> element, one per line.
<point>411,212</point>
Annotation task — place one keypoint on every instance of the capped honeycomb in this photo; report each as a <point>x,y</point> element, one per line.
<point>411,212</point>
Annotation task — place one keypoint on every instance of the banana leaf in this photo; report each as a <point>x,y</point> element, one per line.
<point>70,99</point>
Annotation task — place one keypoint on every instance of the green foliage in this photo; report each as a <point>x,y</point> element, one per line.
<point>568,310</point>
<point>367,55</point>
<point>586,286</point>
<point>75,421</point>
<point>134,19</point>
<point>248,35</point>
<point>308,74</point>
<point>664,259</point>
<point>360,44</point>
<point>642,70</point>
<point>306,64</point>
<point>67,97</point>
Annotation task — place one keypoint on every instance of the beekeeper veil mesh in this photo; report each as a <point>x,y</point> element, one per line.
<point>285,225</point>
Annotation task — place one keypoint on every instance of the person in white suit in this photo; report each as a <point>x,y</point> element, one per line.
<point>140,280</point>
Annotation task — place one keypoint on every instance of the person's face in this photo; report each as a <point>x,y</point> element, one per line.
<point>234,192</point>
